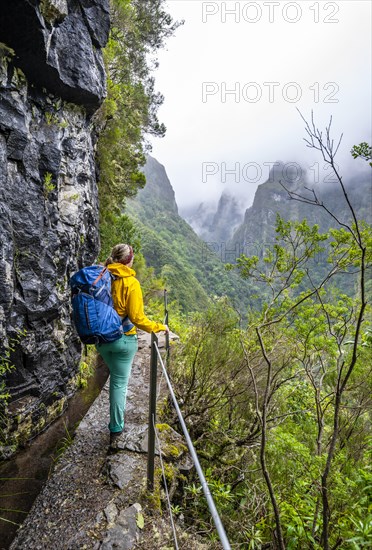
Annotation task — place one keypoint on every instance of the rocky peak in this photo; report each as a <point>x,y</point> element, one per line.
<point>216,224</point>
<point>158,188</point>
<point>258,227</point>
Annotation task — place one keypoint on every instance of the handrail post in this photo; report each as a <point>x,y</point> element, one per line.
<point>152,413</point>
<point>166,320</point>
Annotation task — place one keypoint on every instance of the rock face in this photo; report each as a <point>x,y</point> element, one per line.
<point>48,193</point>
<point>57,45</point>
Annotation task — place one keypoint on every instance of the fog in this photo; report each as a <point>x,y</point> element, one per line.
<point>234,77</point>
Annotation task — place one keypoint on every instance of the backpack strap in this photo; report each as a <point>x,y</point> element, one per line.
<point>99,276</point>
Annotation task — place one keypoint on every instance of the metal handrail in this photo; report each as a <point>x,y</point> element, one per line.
<point>155,355</point>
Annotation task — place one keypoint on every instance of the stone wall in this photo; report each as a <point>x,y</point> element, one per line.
<point>51,82</point>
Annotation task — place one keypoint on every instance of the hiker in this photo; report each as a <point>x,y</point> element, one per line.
<point>119,355</point>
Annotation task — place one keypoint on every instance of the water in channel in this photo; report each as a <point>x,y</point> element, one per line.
<point>22,477</point>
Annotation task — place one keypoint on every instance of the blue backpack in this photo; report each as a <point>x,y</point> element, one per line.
<point>95,318</point>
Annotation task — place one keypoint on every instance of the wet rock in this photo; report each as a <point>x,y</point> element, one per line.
<point>171,443</point>
<point>186,465</point>
<point>50,159</point>
<point>111,513</point>
<point>97,20</point>
<point>16,144</point>
<point>48,193</point>
<point>121,469</point>
<point>125,534</point>
<point>66,38</point>
<point>136,440</point>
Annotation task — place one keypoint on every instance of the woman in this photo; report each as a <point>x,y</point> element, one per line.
<point>119,355</point>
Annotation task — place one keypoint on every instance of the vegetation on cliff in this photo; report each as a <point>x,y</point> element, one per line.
<point>129,113</point>
<point>280,409</point>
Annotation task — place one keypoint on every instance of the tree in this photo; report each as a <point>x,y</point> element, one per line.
<point>129,112</point>
<point>331,342</point>
<point>350,247</point>
<point>363,150</point>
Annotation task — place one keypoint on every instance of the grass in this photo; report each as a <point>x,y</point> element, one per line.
<point>63,444</point>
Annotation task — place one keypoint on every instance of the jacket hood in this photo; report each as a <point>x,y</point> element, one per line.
<point>121,270</point>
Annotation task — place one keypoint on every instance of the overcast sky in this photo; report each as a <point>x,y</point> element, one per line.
<point>274,56</point>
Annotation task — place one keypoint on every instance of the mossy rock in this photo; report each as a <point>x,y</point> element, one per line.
<point>53,10</point>
<point>172,443</point>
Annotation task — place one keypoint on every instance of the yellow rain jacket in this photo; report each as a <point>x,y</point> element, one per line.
<point>127,296</point>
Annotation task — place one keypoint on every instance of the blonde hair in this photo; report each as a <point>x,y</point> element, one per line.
<point>121,253</point>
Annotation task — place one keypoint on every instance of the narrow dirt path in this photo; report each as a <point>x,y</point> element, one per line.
<point>91,500</point>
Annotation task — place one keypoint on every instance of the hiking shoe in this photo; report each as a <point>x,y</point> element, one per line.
<point>116,442</point>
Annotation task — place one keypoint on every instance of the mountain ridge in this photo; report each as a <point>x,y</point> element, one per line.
<point>245,229</point>
<point>194,272</point>
<point>194,268</point>
<point>271,197</point>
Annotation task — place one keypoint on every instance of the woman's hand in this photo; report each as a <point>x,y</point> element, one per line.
<point>166,329</point>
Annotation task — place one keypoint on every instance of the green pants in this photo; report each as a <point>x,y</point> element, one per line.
<point>118,356</point>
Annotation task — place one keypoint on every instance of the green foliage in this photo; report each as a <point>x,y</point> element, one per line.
<point>140,521</point>
<point>86,367</point>
<point>5,366</point>
<point>64,444</point>
<point>7,349</point>
<point>180,282</point>
<point>117,229</point>
<point>211,349</point>
<point>281,374</point>
<point>260,402</point>
<point>129,112</point>
<point>191,271</point>
<point>363,150</point>
<point>51,118</point>
<point>284,266</point>
<point>85,372</point>
<point>48,185</point>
